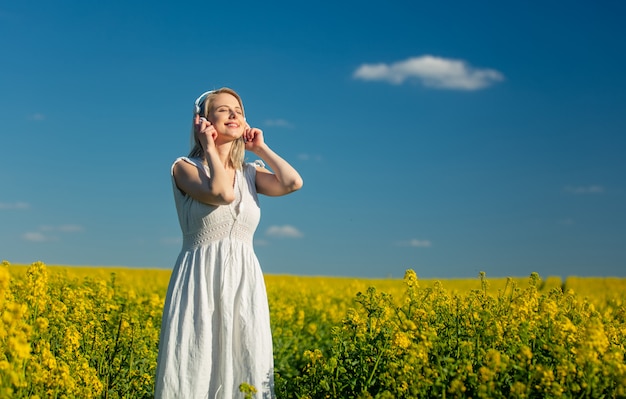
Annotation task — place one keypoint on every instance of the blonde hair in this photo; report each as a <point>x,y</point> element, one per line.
<point>238,148</point>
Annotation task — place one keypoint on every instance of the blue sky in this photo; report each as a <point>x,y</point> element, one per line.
<point>448,137</point>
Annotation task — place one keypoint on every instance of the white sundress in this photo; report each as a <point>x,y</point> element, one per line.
<point>215,332</point>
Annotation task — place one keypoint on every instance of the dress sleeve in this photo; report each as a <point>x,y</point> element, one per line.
<point>250,172</point>
<point>192,161</point>
<point>258,163</point>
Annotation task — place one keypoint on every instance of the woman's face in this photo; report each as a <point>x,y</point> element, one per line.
<point>226,116</point>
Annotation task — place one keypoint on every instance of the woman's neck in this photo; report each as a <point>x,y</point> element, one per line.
<point>223,152</point>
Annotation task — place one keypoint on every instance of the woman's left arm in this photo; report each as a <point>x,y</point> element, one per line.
<point>285,178</point>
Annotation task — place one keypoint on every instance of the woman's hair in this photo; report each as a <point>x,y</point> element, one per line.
<point>238,149</point>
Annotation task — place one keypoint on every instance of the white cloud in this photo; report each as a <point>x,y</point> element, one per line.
<point>46,232</point>
<point>37,236</point>
<point>277,123</point>
<point>593,189</point>
<point>14,205</point>
<point>64,228</point>
<point>415,243</point>
<point>309,157</point>
<point>284,231</point>
<point>436,72</point>
<point>70,228</point>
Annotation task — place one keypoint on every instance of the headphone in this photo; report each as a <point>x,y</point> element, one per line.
<point>200,100</point>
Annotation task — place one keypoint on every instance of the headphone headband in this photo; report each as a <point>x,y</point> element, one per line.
<point>200,100</point>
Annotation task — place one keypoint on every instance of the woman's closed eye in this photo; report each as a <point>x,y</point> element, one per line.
<point>224,109</point>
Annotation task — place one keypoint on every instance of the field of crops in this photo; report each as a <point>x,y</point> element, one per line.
<point>93,332</point>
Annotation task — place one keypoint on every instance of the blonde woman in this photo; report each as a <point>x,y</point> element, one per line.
<point>215,332</point>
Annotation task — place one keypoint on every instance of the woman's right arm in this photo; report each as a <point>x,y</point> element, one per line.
<point>198,185</point>
<point>214,188</point>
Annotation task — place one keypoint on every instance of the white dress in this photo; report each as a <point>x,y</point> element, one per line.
<point>215,332</point>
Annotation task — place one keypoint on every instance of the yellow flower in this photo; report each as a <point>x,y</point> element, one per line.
<point>401,340</point>
<point>410,279</point>
<point>519,390</point>
<point>313,355</point>
<point>312,328</point>
<point>19,347</point>
<point>42,324</point>
<point>525,354</point>
<point>457,388</point>
<point>486,374</point>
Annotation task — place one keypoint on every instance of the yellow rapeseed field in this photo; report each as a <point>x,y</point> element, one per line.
<point>69,332</point>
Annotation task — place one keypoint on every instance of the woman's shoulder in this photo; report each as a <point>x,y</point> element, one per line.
<point>191,160</point>
<point>197,162</point>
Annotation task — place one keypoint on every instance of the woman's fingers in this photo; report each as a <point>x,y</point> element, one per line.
<point>253,137</point>
<point>205,131</point>
<point>201,124</point>
<point>249,135</point>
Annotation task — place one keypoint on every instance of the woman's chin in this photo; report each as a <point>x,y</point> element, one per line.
<point>226,138</point>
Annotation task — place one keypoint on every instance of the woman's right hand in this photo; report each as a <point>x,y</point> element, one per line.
<point>205,132</point>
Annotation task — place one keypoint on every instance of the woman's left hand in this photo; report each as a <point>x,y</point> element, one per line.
<point>253,137</point>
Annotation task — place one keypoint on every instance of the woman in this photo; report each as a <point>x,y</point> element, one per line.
<point>215,332</point>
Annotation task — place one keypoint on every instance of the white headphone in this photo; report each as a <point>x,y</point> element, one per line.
<point>200,100</point>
